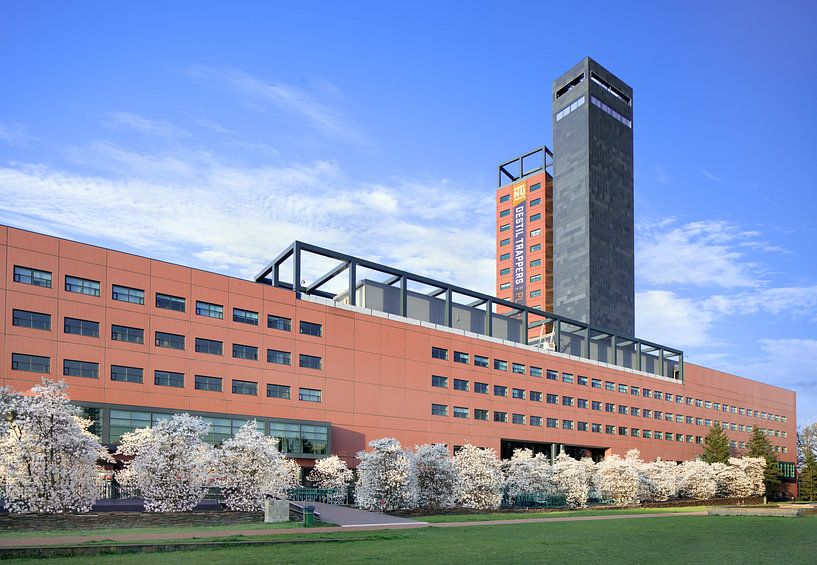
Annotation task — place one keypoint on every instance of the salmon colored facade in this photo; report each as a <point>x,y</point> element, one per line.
<point>375,372</point>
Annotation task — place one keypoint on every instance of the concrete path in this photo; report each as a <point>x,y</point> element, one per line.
<point>305,533</point>
<point>347,517</point>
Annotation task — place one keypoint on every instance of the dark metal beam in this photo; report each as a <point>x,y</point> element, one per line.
<point>326,277</point>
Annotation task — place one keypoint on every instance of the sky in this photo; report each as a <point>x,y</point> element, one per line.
<point>214,134</point>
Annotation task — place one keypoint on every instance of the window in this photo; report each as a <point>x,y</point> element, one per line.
<point>536,263</point>
<point>570,107</point>
<point>536,232</point>
<point>505,212</point>
<point>505,198</point>
<point>125,333</point>
<point>535,396</point>
<point>635,391</point>
<point>127,294</point>
<point>172,341</point>
<point>552,375</point>
<point>535,187</point>
<point>582,426</point>
<point>460,384</point>
<point>309,361</point>
<point>81,286</point>
<point>518,368</point>
<point>209,346</point>
<point>536,421</point>
<point>635,411</point>
<point>209,310</point>
<point>536,217</point>
<point>552,423</point>
<point>535,201</point>
<point>310,328</point>
<point>609,407</point>
<point>533,249</point>
<point>500,390</point>
<point>535,371</point>
<point>86,328</point>
<point>212,384</point>
<point>608,429</point>
<point>658,395</point>
<point>622,409</point>
<point>279,323</point>
<point>552,398</point>
<point>609,111</point>
<point>481,388</point>
<point>500,417</point>
<point>439,382</point>
<point>518,393</point>
<point>580,380</point>
<point>34,277</point>
<point>33,320</point>
<point>167,302</point>
<point>278,391</point>
<point>622,389</point>
<point>480,414</point>
<point>505,227</point>
<point>80,369</point>
<point>505,271</point>
<point>500,365</point>
<point>505,242</point>
<point>609,386</point>
<point>595,405</point>
<point>535,293</point>
<point>595,428</point>
<point>505,257</point>
<point>647,413</point>
<point>567,401</point>
<point>460,357</point>
<point>480,361</point>
<point>126,374</point>
<point>167,378</point>
<point>646,393</point>
<point>279,357</point>
<point>646,434</point>
<point>249,388</point>
<point>504,286</point>
<point>460,412</point>
<point>567,378</point>
<point>439,410</point>
<point>581,403</point>
<point>245,352</point>
<point>518,418</point>
<point>309,394</point>
<point>245,316</point>
<point>658,435</point>
<point>439,353</point>
<point>595,383</point>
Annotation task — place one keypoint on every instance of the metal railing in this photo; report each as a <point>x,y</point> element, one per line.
<point>325,495</point>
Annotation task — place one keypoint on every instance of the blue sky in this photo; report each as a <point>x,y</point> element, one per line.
<point>214,135</point>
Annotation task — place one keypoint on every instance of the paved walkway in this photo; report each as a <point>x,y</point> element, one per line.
<point>158,537</point>
<point>347,517</point>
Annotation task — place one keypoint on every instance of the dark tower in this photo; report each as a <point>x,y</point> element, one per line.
<point>593,241</point>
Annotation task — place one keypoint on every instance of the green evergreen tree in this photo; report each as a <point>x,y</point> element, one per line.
<point>716,446</point>
<point>808,478</point>
<point>759,446</point>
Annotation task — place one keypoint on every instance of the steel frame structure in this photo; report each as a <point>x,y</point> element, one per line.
<point>507,172</point>
<point>271,274</point>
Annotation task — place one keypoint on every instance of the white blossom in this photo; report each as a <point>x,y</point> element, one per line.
<point>48,458</point>
<point>385,480</point>
<point>479,477</point>
<point>249,468</point>
<point>170,463</point>
<point>661,480</point>
<point>528,474</point>
<point>750,480</point>
<point>619,479</point>
<point>332,473</point>
<point>435,476</point>
<point>696,480</point>
<point>573,478</point>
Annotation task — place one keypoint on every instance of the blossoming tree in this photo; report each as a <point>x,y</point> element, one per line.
<point>479,477</point>
<point>435,476</point>
<point>48,458</point>
<point>526,473</point>
<point>332,473</point>
<point>573,478</point>
<point>619,479</point>
<point>249,468</point>
<point>696,480</point>
<point>661,480</point>
<point>170,463</point>
<point>385,479</point>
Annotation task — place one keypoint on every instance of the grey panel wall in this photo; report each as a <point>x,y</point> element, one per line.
<point>593,237</point>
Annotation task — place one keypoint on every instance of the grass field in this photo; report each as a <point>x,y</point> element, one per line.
<point>687,539</point>
<point>203,530</point>
<point>555,514</point>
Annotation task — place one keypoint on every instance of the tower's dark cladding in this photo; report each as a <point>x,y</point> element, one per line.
<point>593,271</point>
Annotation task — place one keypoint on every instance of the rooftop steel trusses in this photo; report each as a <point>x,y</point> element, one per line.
<point>562,328</point>
<point>535,161</point>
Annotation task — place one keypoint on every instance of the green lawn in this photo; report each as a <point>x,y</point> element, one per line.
<point>159,529</point>
<point>683,539</point>
<point>554,514</point>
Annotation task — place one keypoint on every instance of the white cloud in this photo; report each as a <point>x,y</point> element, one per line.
<point>142,125</point>
<point>14,134</point>
<point>712,177</point>
<point>794,301</point>
<point>664,317</point>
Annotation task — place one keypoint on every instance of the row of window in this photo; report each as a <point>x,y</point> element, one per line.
<point>533,248</point>
<point>537,421</point>
<point>89,369</point>
<point>26,275</point>
<point>608,110</point>
<point>507,241</point>
<point>507,197</point>
<point>570,107</point>
<point>570,378</point>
